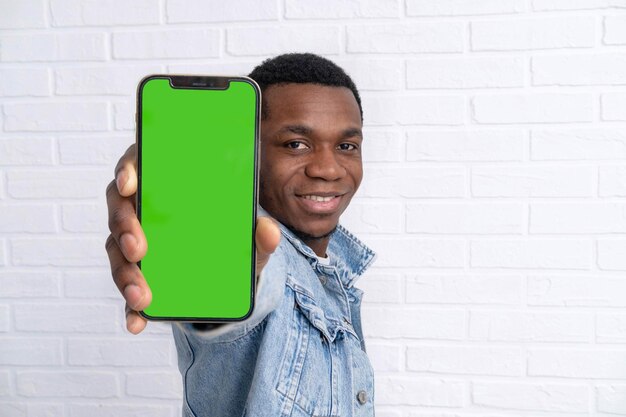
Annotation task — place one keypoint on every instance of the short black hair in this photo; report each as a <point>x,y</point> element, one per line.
<point>302,68</point>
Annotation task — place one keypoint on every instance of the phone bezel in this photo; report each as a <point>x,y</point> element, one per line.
<point>203,82</point>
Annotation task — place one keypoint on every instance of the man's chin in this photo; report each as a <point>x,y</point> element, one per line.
<point>311,235</point>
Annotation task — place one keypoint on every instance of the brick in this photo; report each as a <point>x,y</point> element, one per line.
<point>109,80</point>
<point>610,399</point>
<point>84,217</point>
<point>254,41</point>
<point>93,150</point>
<point>611,254</point>
<point>162,385</point>
<point>5,319</point>
<point>472,360</point>
<point>533,34</point>
<point>516,326</point>
<point>588,217</point>
<point>465,145</point>
<point>419,391</point>
<point>31,351</point>
<point>5,383</point>
<point>545,396</point>
<point>413,110</point>
<point>82,384</point>
<point>543,5</point>
<point>118,352</point>
<point>18,284</point>
<point>532,108</point>
<point>533,181</point>
<point>381,288</point>
<point>456,218</point>
<point>57,183</point>
<point>610,328</point>
<point>612,181</point>
<point>382,146</point>
<point>479,72</point>
<point>369,217</point>
<point>23,409</point>
<point>26,151</point>
<point>58,251</point>
<point>578,144</point>
<point>124,115</point>
<point>613,106</point>
<point>67,317</point>
<point>462,7</point>
<point>342,9</point>
<point>104,12</point>
<point>90,284</point>
<point>24,82</point>
<point>596,69</point>
<point>29,218</point>
<point>374,74</point>
<point>199,11</point>
<point>464,289</point>
<point>385,357</point>
<point>53,47</point>
<point>437,37</point>
<point>425,253</point>
<point>118,410</point>
<point>391,322</point>
<point>577,363</point>
<point>47,117</point>
<point>414,182</point>
<point>181,43</point>
<point>22,14</point>
<point>574,291</point>
<point>532,253</point>
<point>615,30</point>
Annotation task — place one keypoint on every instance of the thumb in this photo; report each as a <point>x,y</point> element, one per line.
<point>267,238</point>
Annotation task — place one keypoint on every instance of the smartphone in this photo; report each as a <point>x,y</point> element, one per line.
<point>197,162</point>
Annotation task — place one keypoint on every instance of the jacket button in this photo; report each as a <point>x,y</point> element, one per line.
<point>361,397</point>
<point>323,279</point>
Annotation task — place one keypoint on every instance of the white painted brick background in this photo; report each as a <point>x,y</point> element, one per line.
<point>494,192</point>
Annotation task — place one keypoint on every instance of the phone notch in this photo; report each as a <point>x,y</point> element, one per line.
<point>199,82</point>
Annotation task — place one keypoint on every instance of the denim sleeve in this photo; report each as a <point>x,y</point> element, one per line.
<point>270,290</point>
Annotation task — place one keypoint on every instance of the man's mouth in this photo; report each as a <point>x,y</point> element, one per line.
<point>318,198</point>
<point>321,203</point>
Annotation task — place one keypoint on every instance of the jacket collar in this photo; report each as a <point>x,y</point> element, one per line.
<point>347,253</point>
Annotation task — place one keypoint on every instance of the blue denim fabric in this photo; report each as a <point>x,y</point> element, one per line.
<point>301,353</point>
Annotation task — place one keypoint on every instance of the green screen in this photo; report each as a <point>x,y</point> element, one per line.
<point>197,198</point>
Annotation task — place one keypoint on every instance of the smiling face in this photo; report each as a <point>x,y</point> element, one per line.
<point>310,158</point>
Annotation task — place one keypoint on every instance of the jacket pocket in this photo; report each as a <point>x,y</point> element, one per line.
<point>306,376</point>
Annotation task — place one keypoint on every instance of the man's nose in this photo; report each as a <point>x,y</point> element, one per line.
<point>325,164</point>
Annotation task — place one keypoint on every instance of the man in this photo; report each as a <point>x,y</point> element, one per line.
<point>301,353</point>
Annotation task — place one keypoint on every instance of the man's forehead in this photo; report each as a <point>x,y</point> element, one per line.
<point>293,98</point>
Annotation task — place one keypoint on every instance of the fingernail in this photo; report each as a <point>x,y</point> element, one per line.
<point>128,241</point>
<point>128,292</point>
<point>121,180</point>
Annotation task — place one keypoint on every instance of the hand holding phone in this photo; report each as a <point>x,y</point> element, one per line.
<point>126,245</point>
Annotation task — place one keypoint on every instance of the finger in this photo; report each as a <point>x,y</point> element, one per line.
<point>135,322</point>
<point>267,238</point>
<point>128,278</point>
<point>126,172</point>
<point>125,226</point>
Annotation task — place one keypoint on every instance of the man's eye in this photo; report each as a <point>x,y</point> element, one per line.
<point>347,147</point>
<point>296,145</point>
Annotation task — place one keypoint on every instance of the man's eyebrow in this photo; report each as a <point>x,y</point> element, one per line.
<point>297,129</point>
<point>352,132</point>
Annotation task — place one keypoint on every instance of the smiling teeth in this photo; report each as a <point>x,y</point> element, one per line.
<point>318,198</point>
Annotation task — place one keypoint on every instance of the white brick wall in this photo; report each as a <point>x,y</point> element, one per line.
<point>494,193</point>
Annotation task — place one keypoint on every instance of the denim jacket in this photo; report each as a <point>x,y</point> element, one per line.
<point>301,352</point>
